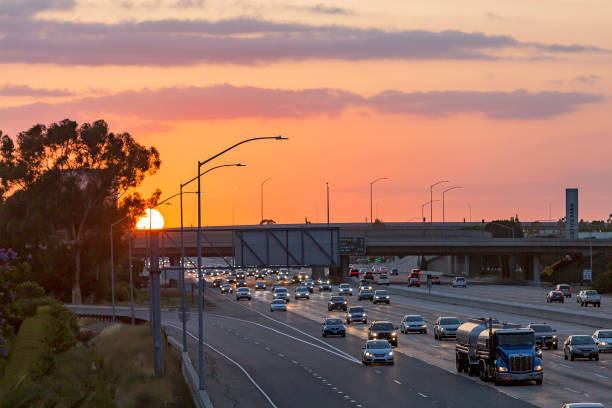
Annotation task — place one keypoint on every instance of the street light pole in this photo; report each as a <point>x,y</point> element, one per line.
<point>262,198</point>
<point>371,184</point>
<point>443,202</point>
<point>327,185</point>
<point>423,209</point>
<point>432,200</point>
<point>199,253</point>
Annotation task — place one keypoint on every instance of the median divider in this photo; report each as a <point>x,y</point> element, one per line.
<point>200,397</point>
<point>540,312</point>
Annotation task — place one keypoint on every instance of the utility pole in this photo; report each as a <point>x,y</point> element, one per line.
<point>262,197</point>
<point>431,200</point>
<point>327,185</point>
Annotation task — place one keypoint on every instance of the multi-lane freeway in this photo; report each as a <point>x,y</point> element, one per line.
<point>287,355</point>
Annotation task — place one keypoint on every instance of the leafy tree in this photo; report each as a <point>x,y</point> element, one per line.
<point>504,228</point>
<point>60,187</point>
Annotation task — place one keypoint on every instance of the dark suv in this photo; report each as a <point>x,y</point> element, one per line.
<point>545,336</point>
<point>383,330</point>
<point>555,296</point>
<point>216,283</point>
<point>336,303</point>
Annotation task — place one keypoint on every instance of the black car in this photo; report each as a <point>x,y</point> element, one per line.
<point>336,303</point>
<point>240,275</point>
<point>545,336</point>
<point>241,283</point>
<point>260,275</point>
<point>555,296</point>
<point>250,272</point>
<point>383,330</point>
<point>260,286</point>
<point>325,287</point>
<point>231,279</point>
<point>296,279</point>
<point>216,283</point>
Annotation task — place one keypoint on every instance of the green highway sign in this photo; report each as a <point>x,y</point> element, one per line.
<point>351,246</point>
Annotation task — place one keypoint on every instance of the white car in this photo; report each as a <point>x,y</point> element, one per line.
<point>345,289</point>
<point>383,280</point>
<point>603,339</point>
<point>589,297</point>
<point>278,305</point>
<point>377,351</point>
<point>459,281</point>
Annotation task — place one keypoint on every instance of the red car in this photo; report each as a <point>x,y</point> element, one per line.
<point>414,282</point>
<point>415,273</point>
<point>354,273</point>
<point>435,280</point>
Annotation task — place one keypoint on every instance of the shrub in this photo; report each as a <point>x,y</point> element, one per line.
<point>603,280</point>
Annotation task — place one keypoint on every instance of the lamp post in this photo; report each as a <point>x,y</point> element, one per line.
<point>183,294</point>
<point>199,254</point>
<point>327,186</point>
<point>443,202</point>
<point>423,209</point>
<point>262,198</point>
<point>112,265</point>
<point>371,184</point>
<point>432,200</point>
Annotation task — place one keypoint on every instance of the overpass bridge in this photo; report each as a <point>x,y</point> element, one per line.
<point>463,244</point>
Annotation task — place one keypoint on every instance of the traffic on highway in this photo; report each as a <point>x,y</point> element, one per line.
<point>531,362</point>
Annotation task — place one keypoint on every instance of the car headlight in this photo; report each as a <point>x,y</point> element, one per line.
<point>502,369</point>
<point>602,343</point>
<point>554,337</point>
<point>387,297</point>
<point>538,367</point>
<point>441,329</point>
<point>344,303</point>
<point>374,335</point>
<point>390,354</point>
<point>393,334</point>
<point>423,325</point>
<point>369,354</point>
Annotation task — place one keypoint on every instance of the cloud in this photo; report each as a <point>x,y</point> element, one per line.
<point>188,3</point>
<point>588,79</point>
<point>168,105</point>
<point>26,8</point>
<point>25,90</point>
<point>323,9</point>
<point>244,41</point>
<point>518,104</point>
<point>494,16</point>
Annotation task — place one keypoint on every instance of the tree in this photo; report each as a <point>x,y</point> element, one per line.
<point>60,187</point>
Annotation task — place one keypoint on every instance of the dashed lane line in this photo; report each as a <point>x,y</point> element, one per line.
<point>422,395</point>
<point>397,382</point>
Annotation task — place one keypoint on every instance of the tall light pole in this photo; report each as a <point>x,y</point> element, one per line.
<point>262,197</point>
<point>199,254</point>
<point>432,200</point>
<point>423,209</point>
<point>183,294</point>
<point>327,185</point>
<point>371,184</point>
<point>443,202</point>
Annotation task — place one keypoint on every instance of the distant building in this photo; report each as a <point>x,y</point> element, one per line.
<point>571,213</point>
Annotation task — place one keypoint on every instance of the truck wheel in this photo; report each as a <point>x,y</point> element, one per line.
<point>539,382</point>
<point>471,372</point>
<point>597,357</point>
<point>458,364</point>
<point>572,356</point>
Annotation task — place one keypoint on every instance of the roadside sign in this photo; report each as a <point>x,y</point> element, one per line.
<point>587,274</point>
<point>351,246</point>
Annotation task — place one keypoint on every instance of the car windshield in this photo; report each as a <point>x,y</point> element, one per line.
<point>591,292</point>
<point>243,290</point>
<point>605,334</point>
<point>449,320</point>
<point>382,326</point>
<point>278,302</point>
<point>356,310</point>
<point>582,340</point>
<point>281,290</point>
<point>413,319</point>
<point>333,321</point>
<point>540,328</point>
<point>518,339</point>
<point>381,292</point>
<point>378,344</point>
<point>459,279</point>
<point>337,299</point>
<point>302,290</point>
<point>563,287</point>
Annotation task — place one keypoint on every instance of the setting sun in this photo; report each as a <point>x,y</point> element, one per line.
<point>157,220</point>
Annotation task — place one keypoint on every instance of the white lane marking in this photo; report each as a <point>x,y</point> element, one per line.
<point>572,390</point>
<point>397,382</point>
<point>256,342</point>
<point>302,332</point>
<point>422,395</point>
<point>234,362</point>
<point>341,355</point>
<point>294,362</point>
<point>564,365</point>
<point>268,348</point>
<point>601,376</point>
<point>281,355</point>
<point>377,372</point>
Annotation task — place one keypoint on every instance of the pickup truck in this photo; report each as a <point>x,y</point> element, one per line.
<point>589,297</point>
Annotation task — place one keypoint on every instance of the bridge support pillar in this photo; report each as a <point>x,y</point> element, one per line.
<point>535,269</point>
<point>512,264</point>
<point>338,273</point>
<point>474,266</point>
<point>466,266</point>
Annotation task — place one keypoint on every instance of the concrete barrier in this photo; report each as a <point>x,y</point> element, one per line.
<point>200,398</point>
<point>540,312</point>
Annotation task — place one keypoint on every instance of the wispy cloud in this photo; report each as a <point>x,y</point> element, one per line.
<point>27,8</point>
<point>169,105</point>
<point>246,41</point>
<point>323,9</point>
<point>494,16</point>
<point>25,90</point>
<point>591,79</point>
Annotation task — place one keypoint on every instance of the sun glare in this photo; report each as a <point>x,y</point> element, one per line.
<point>156,220</point>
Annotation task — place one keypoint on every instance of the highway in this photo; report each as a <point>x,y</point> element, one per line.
<point>418,357</point>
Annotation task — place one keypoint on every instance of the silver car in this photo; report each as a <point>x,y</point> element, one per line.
<point>589,297</point>
<point>603,339</point>
<point>580,346</point>
<point>377,351</point>
<point>413,323</point>
<point>278,305</point>
<point>302,293</point>
<point>356,314</point>
<point>243,293</point>
<point>345,289</point>
<point>445,327</point>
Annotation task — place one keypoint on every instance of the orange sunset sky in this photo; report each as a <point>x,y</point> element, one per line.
<point>510,100</point>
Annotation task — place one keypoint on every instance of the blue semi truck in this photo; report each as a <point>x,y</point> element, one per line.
<point>497,352</point>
